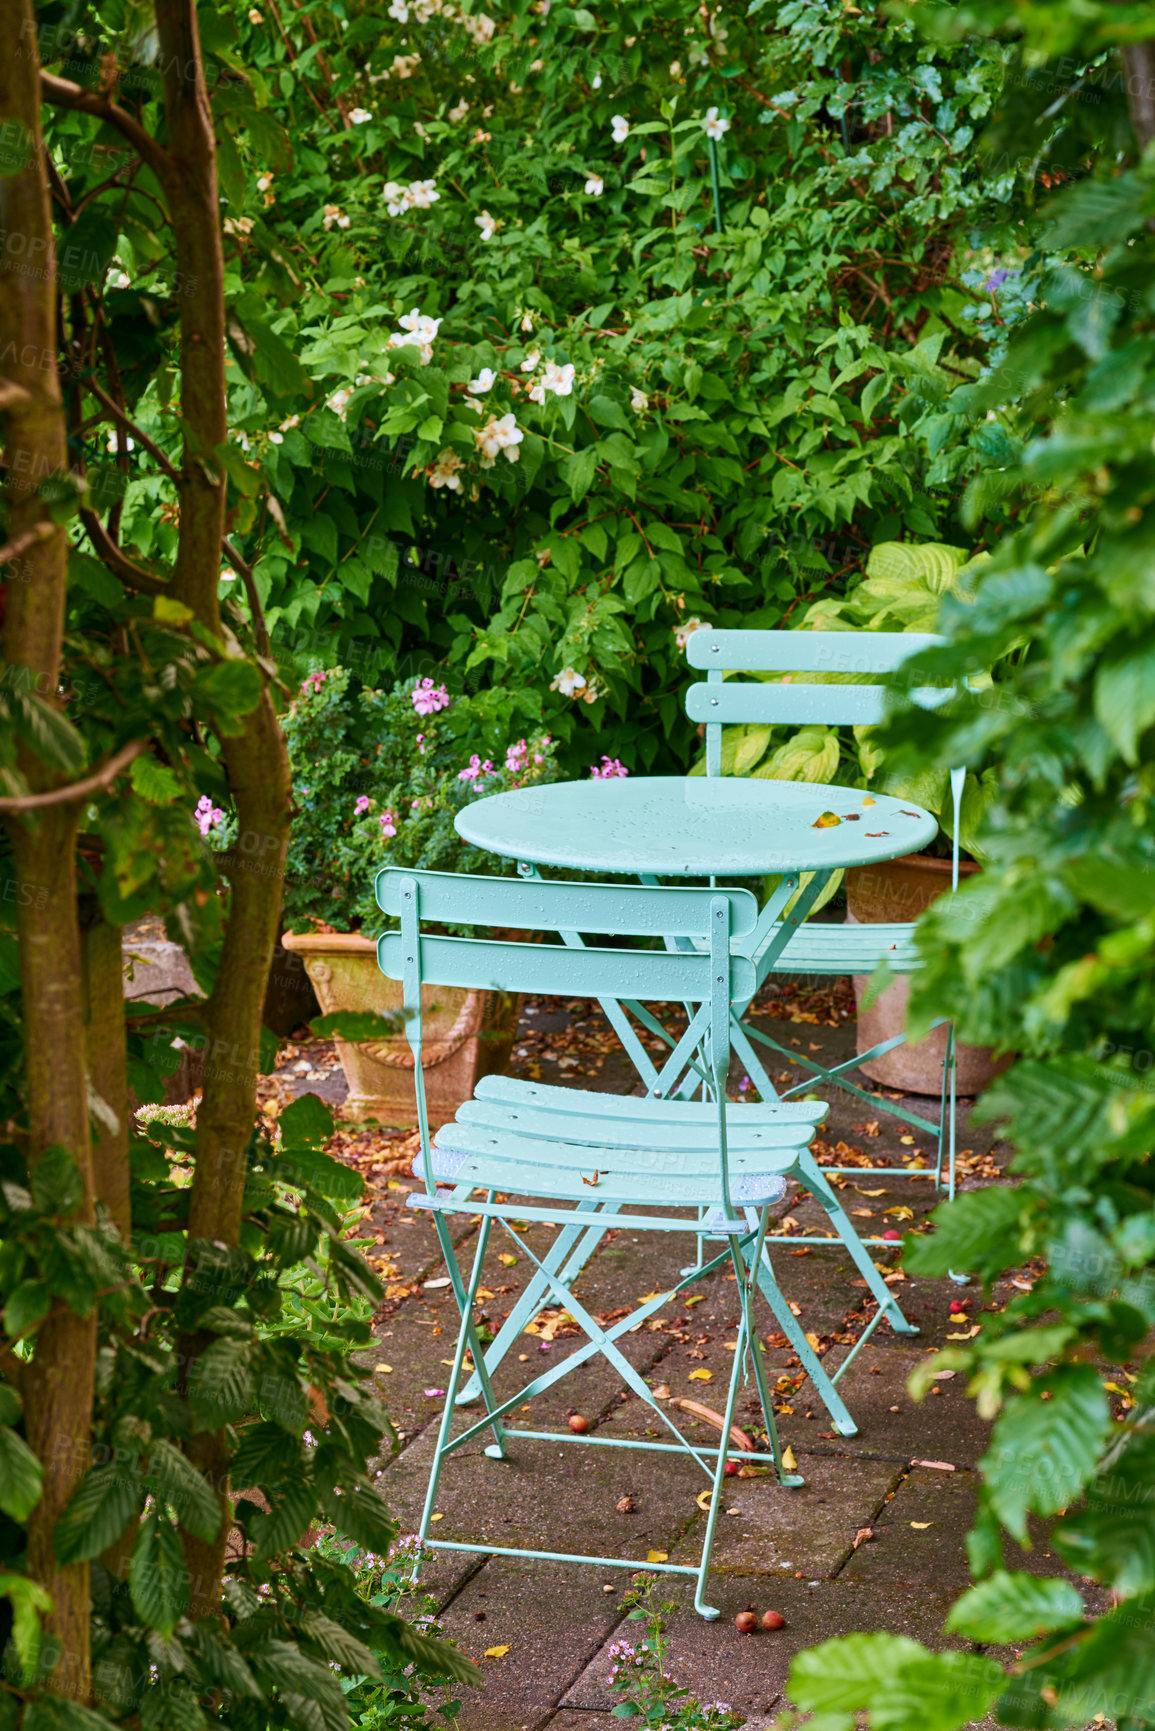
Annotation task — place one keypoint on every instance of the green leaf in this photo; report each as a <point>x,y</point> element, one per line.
<point>157,1576</point>
<point>1125,696</point>
<point>27,1306</point>
<point>294,1504</point>
<point>977,1233</point>
<point>1014,1607</point>
<point>360,1514</point>
<point>1044,1451</point>
<point>58,1713</point>
<point>180,1484</point>
<point>844,1675</point>
<point>1095,213</point>
<point>46,733</point>
<point>578,470</point>
<point>169,611</point>
<point>337,1645</point>
<point>21,1476</point>
<point>221,1384</point>
<point>812,754</point>
<point>57,1185</point>
<point>30,1601</point>
<point>1112,1538</point>
<point>307,1123</point>
<point>357,1025</point>
<point>155,781</point>
<point>229,689</point>
<point>406,1645</point>
<point>99,1510</point>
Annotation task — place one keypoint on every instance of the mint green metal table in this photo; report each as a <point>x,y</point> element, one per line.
<point>654,827</point>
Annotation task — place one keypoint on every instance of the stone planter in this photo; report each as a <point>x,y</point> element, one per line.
<point>466,1034</point>
<point>901,889</point>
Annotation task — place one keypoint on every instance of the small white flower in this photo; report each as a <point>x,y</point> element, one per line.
<point>118,441</point>
<point>334,214</point>
<point>484,381</point>
<point>293,421</point>
<point>419,329</point>
<point>621,127</point>
<point>557,379</point>
<point>487,224</point>
<point>684,631</point>
<point>716,124</point>
<point>531,361</point>
<point>399,10</point>
<point>596,81</point>
<point>396,198</point>
<point>255,16</point>
<point>264,182</point>
<point>238,225</point>
<point>422,194</point>
<point>339,402</point>
<point>675,68</point>
<point>118,280</point>
<point>497,436</point>
<point>526,322</point>
<point>443,473</point>
<point>461,110</point>
<point>595,185</point>
<point>569,682</point>
<point>359,116</point>
<point>639,402</point>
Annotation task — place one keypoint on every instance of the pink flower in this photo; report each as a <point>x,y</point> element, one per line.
<point>207,815</point>
<point>428,698</point>
<point>515,756</point>
<point>388,826</point>
<point>610,769</point>
<point>432,1393</point>
<point>475,768</point>
<point>313,682</point>
<point>362,804</point>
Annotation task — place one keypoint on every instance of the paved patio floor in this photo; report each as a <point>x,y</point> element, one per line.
<point>874,1539</point>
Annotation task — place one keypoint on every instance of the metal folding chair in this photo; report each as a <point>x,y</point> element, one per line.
<point>833,690</point>
<point>589,1161</point>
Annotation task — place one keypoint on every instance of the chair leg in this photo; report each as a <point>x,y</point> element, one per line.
<point>711,1612</point>
<point>468,1333</point>
<point>796,1335</point>
<point>815,1182</point>
<point>747,1280</point>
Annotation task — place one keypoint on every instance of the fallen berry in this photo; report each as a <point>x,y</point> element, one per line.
<point>773,1620</point>
<point>578,1424</point>
<point>957,1306</point>
<point>746,1622</point>
<point>730,1469</point>
<point>893,1237</point>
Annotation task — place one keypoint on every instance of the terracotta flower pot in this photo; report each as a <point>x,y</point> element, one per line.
<point>901,889</point>
<point>466,1034</point>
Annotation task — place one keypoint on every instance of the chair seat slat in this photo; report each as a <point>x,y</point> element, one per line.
<point>733,704</point>
<point>641,1185</point>
<point>491,1126</point>
<point>611,910</point>
<point>633,1107</point>
<point>848,652</point>
<point>591,973</point>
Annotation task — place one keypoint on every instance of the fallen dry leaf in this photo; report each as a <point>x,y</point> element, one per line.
<point>863,1213</point>
<point>900,1213</point>
<point>662,1392</point>
<point>827,820</point>
<point>438,1517</point>
<point>788,1460</point>
<point>869,1192</point>
<point>921,1526</point>
<point>936,1466</point>
<point>703,1500</point>
<point>625,1505</point>
<point>862,1535</point>
<point>657,1556</point>
<point>496,1652</point>
<point>968,1334</point>
<point>701,1376</point>
<point>507,1260</point>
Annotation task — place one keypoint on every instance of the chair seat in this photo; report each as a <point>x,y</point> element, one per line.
<point>825,948</point>
<point>565,1144</point>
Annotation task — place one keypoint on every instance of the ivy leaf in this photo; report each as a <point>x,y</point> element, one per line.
<point>1014,1607</point>
<point>100,1508</point>
<point>157,1576</point>
<point>1044,1451</point>
<point>181,1485</point>
<point>21,1476</point>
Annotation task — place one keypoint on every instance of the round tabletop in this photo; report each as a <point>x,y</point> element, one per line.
<point>696,826</point>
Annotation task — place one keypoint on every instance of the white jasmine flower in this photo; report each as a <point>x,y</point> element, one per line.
<point>339,402</point>
<point>276,438</point>
<point>419,329</point>
<point>118,441</point>
<point>487,224</point>
<point>443,473</point>
<point>334,214</point>
<point>399,10</point>
<point>675,68</point>
<point>293,421</point>
<point>595,185</point>
<point>359,116</point>
<point>531,361</point>
<point>118,280</point>
<point>526,322</point>
<point>484,381</point>
<point>621,128</point>
<point>684,631</point>
<point>557,379</point>
<point>639,402</point>
<point>396,198</point>
<point>569,682</point>
<point>479,27</point>
<point>255,16</point>
<point>497,436</point>
<point>422,194</point>
<point>238,225</point>
<point>461,110</point>
<point>716,124</point>
<point>596,81</point>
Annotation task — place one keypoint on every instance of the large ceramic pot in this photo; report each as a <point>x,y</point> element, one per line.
<point>900,890</point>
<point>465,1034</point>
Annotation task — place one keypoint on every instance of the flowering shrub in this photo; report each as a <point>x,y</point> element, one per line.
<point>379,778</point>
<point>640,1674</point>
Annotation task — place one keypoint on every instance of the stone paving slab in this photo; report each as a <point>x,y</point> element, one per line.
<point>943,1426</point>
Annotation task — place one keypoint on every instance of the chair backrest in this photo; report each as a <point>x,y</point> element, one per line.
<point>836,691</point>
<point>712,977</point>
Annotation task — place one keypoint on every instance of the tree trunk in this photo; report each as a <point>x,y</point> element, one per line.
<point>256,758</point>
<point>106,1049</point>
<point>57,1385</point>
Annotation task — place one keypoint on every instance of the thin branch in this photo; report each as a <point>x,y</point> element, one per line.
<point>260,629</point>
<point>30,538</point>
<point>79,790</point>
<point>65,94</point>
<point>132,429</point>
<point>118,561</point>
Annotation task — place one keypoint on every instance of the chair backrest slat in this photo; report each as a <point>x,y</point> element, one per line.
<point>731,703</point>
<point>645,975</point>
<point>609,910</point>
<point>846,652</point>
